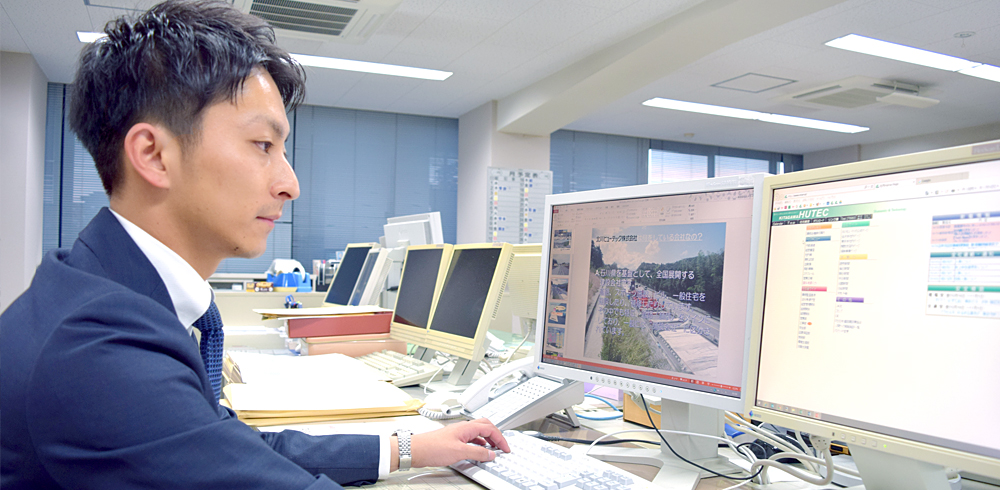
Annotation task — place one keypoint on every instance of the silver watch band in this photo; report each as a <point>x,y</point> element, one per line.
<point>403,444</point>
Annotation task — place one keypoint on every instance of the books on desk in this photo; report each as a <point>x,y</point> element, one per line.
<point>332,320</point>
<point>352,345</point>
<point>268,390</point>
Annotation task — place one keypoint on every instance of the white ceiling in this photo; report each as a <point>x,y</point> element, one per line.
<point>597,53</point>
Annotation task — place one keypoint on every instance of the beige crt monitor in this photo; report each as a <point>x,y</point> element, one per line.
<point>469,299</point>
<point>877,318</point>
<point>424,270</point>
<point>523,282</point>
<point>342,286</point>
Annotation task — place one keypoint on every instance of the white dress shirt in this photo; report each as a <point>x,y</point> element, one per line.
<point>192,295</point>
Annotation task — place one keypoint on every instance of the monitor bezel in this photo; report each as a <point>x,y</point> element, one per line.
<point>369,245</point>
<point>739,182</point>
<point>474,348</point>
<point>844,434</point>
<point>410,333</point>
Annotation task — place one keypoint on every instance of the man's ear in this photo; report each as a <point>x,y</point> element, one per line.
<point>148,151</point>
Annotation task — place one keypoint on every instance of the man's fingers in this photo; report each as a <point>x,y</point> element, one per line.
<point>489,432</point>
<point>480,453</point>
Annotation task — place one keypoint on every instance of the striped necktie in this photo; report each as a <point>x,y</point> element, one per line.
<point>210,326</point>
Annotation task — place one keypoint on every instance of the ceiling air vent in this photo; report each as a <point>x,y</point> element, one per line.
<point>849,93</point>
<point>321,20</point>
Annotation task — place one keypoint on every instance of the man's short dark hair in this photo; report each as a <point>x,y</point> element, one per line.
<point>166,67</point>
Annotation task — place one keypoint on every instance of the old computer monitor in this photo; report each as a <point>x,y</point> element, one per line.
<point>413,229</point>
<point>519,305</point>
<point>470,296</point>
<point>424,270</point>
<point>404,231</point>
<point>648,289</point>
<point>878,323</point>
<point>342,286</point>
<point>371,279</point>
<point>522,284</point>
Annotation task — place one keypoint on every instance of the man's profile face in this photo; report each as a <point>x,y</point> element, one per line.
<point>233,184</point>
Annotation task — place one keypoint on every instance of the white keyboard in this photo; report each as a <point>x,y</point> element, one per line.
<point>401,369</point>
<point>534,464</point>
<point>519,397</point>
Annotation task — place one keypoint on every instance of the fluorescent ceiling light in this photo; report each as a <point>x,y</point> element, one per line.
<point>988,72</point>
<point>89,37</point>
<point>899,52</point>
<point>716,110</point>
<point>368,67</point>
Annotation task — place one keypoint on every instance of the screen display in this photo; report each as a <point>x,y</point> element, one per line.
<point>652,288</point>
<point>416,287</point>
<point>882,305</point>
<point>465,289</point>
<point>363,277</point>
<point>347,275</point>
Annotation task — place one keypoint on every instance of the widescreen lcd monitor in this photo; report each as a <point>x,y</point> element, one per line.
<point>878,321</point>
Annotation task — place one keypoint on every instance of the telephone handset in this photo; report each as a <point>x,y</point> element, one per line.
<point>448,405</point>
<point>515,403</point>
<point>478,393</point>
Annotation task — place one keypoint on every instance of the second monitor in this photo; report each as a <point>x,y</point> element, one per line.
<point>469,299</point>
<point>649,289</point>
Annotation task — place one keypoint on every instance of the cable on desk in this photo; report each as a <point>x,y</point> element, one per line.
<point>682,458</point>
<point>545,437</point>
<point>617,414</point>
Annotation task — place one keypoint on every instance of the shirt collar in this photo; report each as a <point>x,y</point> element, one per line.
<point>190,293</point>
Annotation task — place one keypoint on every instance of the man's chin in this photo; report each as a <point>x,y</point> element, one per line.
<point>249,253</point>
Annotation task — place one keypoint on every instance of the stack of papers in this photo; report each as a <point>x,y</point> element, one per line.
<point>267,390</point>
<point>278,313</point>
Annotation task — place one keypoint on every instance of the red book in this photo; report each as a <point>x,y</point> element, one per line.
<point>324,326</point>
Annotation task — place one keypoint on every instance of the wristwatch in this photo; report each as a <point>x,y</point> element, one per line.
<point>403,444</point>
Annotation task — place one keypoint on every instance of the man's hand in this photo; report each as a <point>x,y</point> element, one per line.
<point>450,444</point>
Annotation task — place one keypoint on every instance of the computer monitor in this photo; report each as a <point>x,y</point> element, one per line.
<point>522,284</point>
<point>371,279</point>
<point>424,270</point>
<point>339,292</point>
<point>519,305</point>
<point>879,319</point>
<point>648,289</point>
<point>414,229</point>
<point>404,231</point>
<point>470,296</point>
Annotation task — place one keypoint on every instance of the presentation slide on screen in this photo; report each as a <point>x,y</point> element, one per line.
<point>636,288</point>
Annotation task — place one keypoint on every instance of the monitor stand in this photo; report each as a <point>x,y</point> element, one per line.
<point>458,380</point>
<point>884,471</point>
<point>424,354</point>
<point>675,474</point>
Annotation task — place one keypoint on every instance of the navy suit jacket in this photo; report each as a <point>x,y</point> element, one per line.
<point>102,387</point>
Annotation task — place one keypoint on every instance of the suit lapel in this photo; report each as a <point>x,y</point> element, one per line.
<point>122,260</point>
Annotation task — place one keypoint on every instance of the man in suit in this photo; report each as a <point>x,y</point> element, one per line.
<point>184,111</point>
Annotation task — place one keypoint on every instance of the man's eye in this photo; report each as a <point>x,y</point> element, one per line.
<point>264,145</point>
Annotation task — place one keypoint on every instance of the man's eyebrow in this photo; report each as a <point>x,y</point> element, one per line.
<point>273,123</point>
